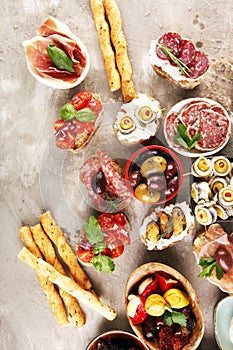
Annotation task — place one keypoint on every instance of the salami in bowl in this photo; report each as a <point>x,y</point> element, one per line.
<point>197,126</point>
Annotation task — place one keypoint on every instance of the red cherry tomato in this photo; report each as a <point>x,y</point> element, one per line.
<point>85,255</point>
<point>119,219</point>
<point>117,251</point>
<point>81,99</point>
<point>105,221</point>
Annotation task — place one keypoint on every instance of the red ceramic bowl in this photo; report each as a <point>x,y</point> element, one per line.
<point>172,181</point>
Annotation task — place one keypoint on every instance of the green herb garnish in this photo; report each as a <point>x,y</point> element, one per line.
<point>60,58</point>
<point>182,137</point>
<point>209,264</point>
<point>95,236</point>
<point>68,112</point>
<point>168,52</point>
<point>170,316</point>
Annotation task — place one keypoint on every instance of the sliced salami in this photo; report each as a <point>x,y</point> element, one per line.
<point>191,113</point>
<point>170,40</point>
<point>187,52</point>
<point>115,195</point>
<point>199,65</point>
<point>213,129</point>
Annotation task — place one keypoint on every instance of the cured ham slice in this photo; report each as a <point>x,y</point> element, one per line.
<point>206,244</point>
<point>39,62</point>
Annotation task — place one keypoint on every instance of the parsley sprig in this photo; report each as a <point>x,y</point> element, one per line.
<point>168,52</point>
<point>182,137</point>
<point>171,316</point>
<point>209,264</point>
<point>95,236</point>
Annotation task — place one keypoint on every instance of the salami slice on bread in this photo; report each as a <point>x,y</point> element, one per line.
<point>180,52</point>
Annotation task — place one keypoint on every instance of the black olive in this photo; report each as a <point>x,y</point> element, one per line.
<point>98,183</point>
<point>149,328</point>
<point>103,344</point>
<point>171,169</point>
<point>172,185</point>
<point>135,178</point>
<point>156,182</point>
<point>223,258</point>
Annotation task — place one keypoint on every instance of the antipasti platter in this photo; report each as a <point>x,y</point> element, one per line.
<point>120,199</point>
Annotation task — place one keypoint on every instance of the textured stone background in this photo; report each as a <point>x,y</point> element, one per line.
<point>35,176</point>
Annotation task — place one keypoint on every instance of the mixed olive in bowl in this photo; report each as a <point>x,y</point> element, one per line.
<point>116,340</point>
<point>154,174</point>
<point>163,309</point>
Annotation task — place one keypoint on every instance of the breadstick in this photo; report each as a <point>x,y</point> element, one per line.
<point>66,283</point>
<point>67,254</point>
<point>120,45</point>
<point>47,249</point>
<point>105,44</point>
<point>52,294</point>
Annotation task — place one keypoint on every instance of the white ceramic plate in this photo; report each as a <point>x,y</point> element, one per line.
<point>194,152</point>
<point>222,318</point>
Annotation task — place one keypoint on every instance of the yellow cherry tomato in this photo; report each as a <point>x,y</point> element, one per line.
<point>176,298</point>
<point>155,305</point>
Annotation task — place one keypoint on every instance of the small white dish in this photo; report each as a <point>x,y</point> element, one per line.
<point>222,319</point>
<point>43,78</point>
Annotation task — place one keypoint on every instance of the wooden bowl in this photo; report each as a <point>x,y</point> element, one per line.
<point>148,269</point>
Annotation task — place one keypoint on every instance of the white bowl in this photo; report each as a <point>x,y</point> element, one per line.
<point>53,82</point>
<point>222,318</point>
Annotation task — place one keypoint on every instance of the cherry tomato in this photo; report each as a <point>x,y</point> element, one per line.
<point>85,255</point>
<point>105,221</point>
<point>117,251</point>
<point>119,219</point>
<point>81,99</point>
<point>123,237</point>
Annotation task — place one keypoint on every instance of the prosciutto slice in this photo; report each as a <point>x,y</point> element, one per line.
<point>54,32</point>
<point>206,244</point>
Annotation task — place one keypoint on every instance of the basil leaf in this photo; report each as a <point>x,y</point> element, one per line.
<point>85,115</point>
<point>196,138</point>
<point>103,263</point>
<point>67,111</point>
<point>182,131</point>
<point>60,58</point>
<point>93,230</point>
<point>178,139</point>
<point>99,247</point>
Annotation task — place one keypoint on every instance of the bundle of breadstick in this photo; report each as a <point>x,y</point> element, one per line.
<point>113,47</point>
<point>63,292</point>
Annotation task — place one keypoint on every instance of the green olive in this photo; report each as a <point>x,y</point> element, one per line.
<point>145,113</point>
<point>221,165</point>
<point>142,193</point>
<point>126,123</point>
<point>155,164</point>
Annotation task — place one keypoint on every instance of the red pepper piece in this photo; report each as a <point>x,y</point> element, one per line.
<point>165,281</point>
<point>150,288</point>
<point>140,313</point>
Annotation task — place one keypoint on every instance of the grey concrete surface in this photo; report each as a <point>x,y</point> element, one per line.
<point>35,176</point>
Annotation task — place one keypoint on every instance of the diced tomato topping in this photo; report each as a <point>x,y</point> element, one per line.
<point>84,255</point>
<point>117,251</point>
<point>59,124</point>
